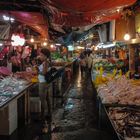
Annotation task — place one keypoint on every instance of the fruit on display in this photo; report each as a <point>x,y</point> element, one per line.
<point>108,65</point>
<point>105,65</point>
<point>55,55</point>
<point>34,79</point>
<point>102,77</point>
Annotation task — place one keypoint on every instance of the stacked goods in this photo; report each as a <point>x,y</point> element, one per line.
<point>126,121</point>
<point>119,91</point>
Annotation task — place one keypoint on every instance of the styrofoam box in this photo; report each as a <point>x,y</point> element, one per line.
<point>8,119</point>
<point>12,124</point>
<point>13,109</point>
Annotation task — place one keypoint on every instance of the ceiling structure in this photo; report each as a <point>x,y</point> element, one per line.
<point>81,12</point>
<point>33,19</point>
<point>63,18</point>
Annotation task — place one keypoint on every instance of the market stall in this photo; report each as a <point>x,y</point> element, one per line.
<point>17,100</point>
<point>14,104</point>
<point>56,26</point>
<point>118,99</point>
<point>121,121</point>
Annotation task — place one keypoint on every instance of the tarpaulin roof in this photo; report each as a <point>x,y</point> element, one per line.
<point>33,19</point>
<point>70,13</point>
<point>84,12</point>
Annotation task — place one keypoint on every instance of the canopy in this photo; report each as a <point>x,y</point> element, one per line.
<point>33,19</point>
<point>85,12</point>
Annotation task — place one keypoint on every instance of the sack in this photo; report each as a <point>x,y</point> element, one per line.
<point>51,75</point>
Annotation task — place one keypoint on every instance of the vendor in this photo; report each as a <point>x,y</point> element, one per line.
<point>16,61</point>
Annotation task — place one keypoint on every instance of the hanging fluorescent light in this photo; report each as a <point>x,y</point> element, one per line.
<point>57,44</point>
<point>101,45</point>
<point>6,18</point>
<point>126,37</point>
<point>1,44</point>
<point>108,45</point>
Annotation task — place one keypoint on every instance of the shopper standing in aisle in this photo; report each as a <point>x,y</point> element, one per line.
<point>42,70</point>
<point>89,62</point>
<point>83,64</point>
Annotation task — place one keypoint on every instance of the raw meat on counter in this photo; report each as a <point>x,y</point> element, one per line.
<point>25,75</point>
<point>121,91</point>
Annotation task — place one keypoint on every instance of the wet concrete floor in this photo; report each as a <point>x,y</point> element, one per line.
<point>76,119</point>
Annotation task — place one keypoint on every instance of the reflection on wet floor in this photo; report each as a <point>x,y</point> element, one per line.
<point>77,119</point>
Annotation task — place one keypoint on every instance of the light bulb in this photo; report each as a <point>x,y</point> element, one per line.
<point>126,37</point>
<point>52,46</point>
<point>32,40</point>
<point>45,44</point>
<point>118,10</point>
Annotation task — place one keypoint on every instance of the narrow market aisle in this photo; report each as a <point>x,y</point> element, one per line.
<point>78,119</point>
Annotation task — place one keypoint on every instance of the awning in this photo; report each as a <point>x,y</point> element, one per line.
<point>85,12</point>
<point>34,20</point>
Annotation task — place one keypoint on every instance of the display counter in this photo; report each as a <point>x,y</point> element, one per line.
<point>119,105</point>
<point>14,104</point>
<point>15,98</point>
<point>105,122</point>
<point>122,121</point>
<point>5,99</point>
